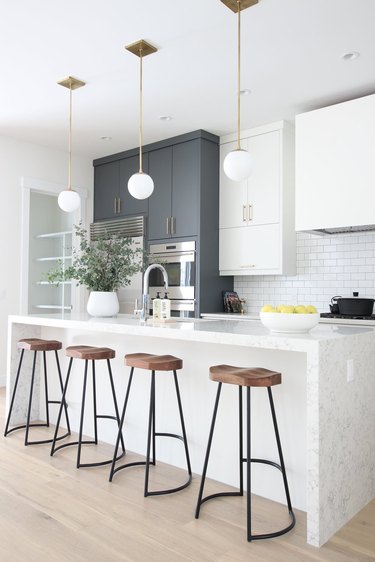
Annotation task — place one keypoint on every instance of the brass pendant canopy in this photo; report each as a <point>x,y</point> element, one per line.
<point>71,83</point>
<point>232,4</point>
<point>141,48</point>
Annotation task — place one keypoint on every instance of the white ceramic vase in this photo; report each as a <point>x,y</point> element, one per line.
<point>103,304</point>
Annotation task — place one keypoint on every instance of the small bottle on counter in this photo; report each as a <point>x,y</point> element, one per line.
<point>165,312</point>
<point>156,307</point>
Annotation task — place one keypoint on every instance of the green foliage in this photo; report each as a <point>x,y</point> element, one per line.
<point>106,264</point>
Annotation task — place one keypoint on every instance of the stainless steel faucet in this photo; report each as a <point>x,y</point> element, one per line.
<point>144,309</point>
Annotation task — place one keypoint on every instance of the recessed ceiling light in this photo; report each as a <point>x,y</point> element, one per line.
<point>165,118</point>
<point>352,55</point>
<point>105,138</point>
<point>245,92</point>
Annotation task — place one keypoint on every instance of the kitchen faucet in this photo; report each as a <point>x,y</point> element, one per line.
<point>143,310</point>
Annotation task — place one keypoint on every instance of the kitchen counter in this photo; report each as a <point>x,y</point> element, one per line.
<point>326,423</point>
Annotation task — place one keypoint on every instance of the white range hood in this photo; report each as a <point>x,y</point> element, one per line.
<point>335,168</point>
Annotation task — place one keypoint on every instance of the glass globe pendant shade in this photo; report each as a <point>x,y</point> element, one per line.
<point>238,165</point>
<point>140,185</point>
<point>69,200</point>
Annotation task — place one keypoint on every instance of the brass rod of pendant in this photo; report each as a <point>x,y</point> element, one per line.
<point>70,138</point>
<point>140,110</point>
<point>238,74</point>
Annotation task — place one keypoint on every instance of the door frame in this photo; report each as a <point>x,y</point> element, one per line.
<point>48,188</point>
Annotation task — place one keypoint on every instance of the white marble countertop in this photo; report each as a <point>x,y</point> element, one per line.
<point>249,332</point>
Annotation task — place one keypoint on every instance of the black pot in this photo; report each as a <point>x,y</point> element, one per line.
<point>334,307</point>
<point>354,306</point>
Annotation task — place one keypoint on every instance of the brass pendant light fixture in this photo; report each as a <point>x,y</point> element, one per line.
<point>69,200</point>
<point>140,185</point>
<point>238,163</point>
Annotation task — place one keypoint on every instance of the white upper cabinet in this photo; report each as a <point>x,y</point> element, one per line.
<point>257,234</point>
<point>256,200</point>
<point>335,171</point>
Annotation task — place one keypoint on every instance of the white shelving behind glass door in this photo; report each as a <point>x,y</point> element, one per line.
<point>55,248</point>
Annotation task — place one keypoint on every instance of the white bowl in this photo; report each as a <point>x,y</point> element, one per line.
<point>289,323</point>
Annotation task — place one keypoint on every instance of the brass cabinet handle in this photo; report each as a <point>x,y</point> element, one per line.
<point>250,217</point>
<point>173,225</point>
<point>119,205</point>
<point>115,205</point>
<point>167,225</point>
<point>244,219</point>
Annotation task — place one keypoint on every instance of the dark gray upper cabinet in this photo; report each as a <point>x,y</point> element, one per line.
<point>174,205</point>
<point>186,188</point>
<point>159,208</point>
<point>106,192</point>
<point>111,196</point>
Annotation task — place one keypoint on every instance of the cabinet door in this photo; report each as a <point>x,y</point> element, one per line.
<point>263,186</point>
<point>159,210</point>
<point>233,194</point>
<point>128,204</point>
<point>252,250</point>
<point>106,190</point>
<point>185,188</point>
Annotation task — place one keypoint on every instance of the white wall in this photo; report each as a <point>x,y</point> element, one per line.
<point>17,160</point>
<point>326,266</point>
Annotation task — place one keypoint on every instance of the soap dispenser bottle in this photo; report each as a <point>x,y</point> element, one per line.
<point>165,307</point>
<point>156,307</point>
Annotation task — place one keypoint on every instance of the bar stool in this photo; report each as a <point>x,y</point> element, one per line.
<point>256,377</point>
<point>88,353</point>
<point>35,345</point>
<point>153,363</point>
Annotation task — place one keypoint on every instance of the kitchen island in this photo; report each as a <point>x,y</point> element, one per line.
<point>326,420</point>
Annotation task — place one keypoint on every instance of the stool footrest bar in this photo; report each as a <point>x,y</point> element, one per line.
<point>86,442</point>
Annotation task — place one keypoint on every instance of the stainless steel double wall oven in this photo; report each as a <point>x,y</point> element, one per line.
<point>179,259</point>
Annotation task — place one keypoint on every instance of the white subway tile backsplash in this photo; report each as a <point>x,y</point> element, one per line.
<point>326,266</point>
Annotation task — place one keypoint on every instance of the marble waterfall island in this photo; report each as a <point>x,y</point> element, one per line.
<point>327,424</point>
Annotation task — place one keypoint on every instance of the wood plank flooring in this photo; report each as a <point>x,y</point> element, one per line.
<point>50,511</point>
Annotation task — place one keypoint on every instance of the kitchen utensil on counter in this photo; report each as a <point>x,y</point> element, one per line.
<point>355,305</point>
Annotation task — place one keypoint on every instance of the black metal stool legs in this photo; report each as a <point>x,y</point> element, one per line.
<point>7,430</point>
<point>119,434</point>
<point>208,451</point>
<point>96,416</point>
<point>28,424</point>
<point>151,439</point>
<point>63,401</point>
<point>152,433</point>
<point>248,460</point>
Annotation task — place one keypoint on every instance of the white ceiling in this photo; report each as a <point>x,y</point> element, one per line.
<point>291,62</point>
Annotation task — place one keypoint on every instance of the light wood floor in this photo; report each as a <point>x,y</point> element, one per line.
<point>50,511</point>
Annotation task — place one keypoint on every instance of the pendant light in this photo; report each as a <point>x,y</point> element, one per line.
<point>140,185</point>
<point>238,163</point>
<point>69,200</point>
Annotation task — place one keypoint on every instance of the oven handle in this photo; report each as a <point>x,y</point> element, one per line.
<point>172,258</point>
